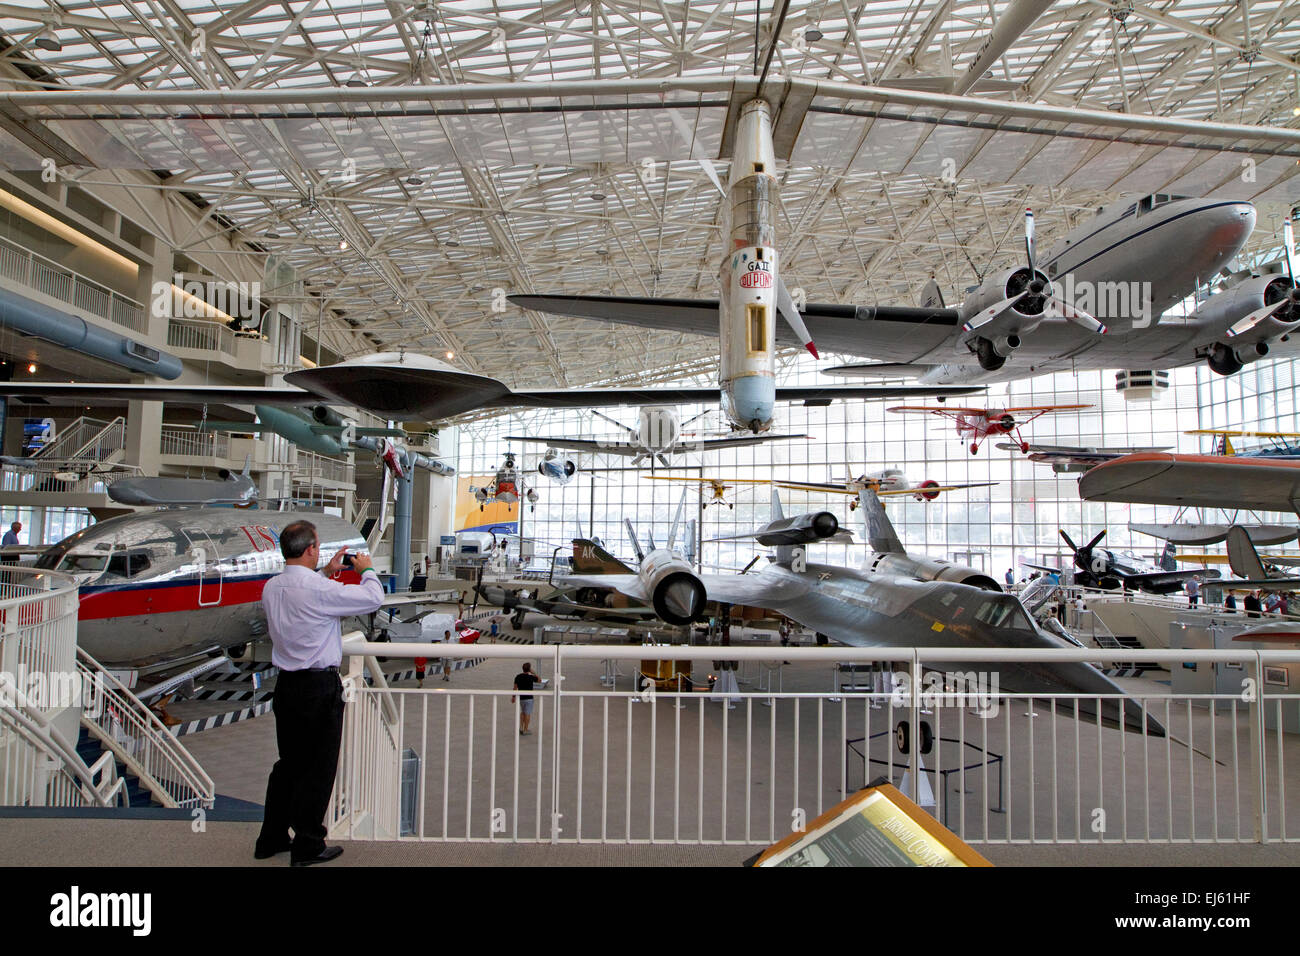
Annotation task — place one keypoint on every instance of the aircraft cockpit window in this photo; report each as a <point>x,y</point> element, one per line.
<point>1144,204</point>
<point>127,564</point>
<point>1004,613</point>
<point>73,563</point>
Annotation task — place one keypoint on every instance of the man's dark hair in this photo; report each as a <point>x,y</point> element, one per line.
<point>527,667</point>
<point>296,538</point>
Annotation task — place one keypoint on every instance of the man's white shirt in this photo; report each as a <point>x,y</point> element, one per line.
<point>303,612</point>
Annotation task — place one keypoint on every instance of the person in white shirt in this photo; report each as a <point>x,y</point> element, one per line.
<point>303,611</point>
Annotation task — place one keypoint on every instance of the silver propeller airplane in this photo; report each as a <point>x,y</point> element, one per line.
<point>895,600</point>
<point>1094,303</point>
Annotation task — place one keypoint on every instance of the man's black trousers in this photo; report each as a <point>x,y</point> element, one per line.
<point>308,708</point>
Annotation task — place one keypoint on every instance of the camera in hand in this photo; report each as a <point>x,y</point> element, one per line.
<point>348,558</point>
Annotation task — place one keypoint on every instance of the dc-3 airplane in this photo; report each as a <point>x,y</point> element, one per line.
<point>656,435</point>
<point>894,601</point>
<point>979,423</point>
<point>1095,303</point>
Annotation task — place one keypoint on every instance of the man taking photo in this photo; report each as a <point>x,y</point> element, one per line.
<point>303,611</point>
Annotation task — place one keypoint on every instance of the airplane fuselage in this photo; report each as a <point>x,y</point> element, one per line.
<point>166,584</point>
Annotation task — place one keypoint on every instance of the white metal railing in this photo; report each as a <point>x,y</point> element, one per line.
<point>44,476</point>
<point>135,734</point>
<point>57,281</point>
<point>86,438</point>
<point>369,760</point>
<point>38,683</point>
<point>312,466</point>
<point>201,336</point>
<point>684,767</point>
<point>194,443</point>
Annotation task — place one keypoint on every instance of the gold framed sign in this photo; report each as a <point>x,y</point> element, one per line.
<point>874,827</point>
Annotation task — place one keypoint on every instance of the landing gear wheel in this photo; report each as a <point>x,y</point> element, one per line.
<point>1024,448</point>
<point>989,360</point>
<point>974,448</point>
<point>903,737</point>
<point>731,506</point>
<point>517,620</point>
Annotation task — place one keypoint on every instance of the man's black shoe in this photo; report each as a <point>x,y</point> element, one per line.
<point>327,854</point>
<point>265,853</point>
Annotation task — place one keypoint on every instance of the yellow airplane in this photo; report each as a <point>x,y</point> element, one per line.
<point>1278,447</point>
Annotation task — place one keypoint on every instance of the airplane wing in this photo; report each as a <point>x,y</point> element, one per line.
<point>1278,560</point>
<point>1156,580</point>
<point>1043,409</point>
<point>1076,455</point>
<point>631,449</point>
<point>888,331</point>
<point>667,394</point>
<point>1198,481</point>
<point>1240,434</point>
<point>936,410</point>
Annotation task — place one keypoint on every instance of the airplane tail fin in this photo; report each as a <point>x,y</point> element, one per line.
<point>777,512</point>
<point>879,529</point>
<point>248,463</point>
<point>1242,556</point>
<point>784,552</point>
<point>931,296</point>
<point>1167,560</point>
<point>591,558</point>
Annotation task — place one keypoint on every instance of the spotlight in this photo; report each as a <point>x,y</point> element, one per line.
<point>450,355</point>
<point>343,245</point>
<point>414,181</point>
<point>451,241</point>
<point>356,80</point>
<point>598,196</point>
<point>47,39</point>
<point>812,34</point>
<point>31,368</point>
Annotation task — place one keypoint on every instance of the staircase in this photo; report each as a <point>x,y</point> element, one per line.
<point>91,751</point>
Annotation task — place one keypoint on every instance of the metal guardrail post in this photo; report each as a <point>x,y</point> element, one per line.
<point>1258,767</point>
<point>914,731</point>
<point>557,675</point>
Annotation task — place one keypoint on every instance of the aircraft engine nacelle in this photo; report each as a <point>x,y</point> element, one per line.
<point>925,569</point>
<point>675,593</point>
<point>922,494</point>
<point>1220,312</point>
<point>800,529</point>
<point>1004,425</point>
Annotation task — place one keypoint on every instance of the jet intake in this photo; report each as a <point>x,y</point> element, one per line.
<point>800,529</point>
<point>676,594</point>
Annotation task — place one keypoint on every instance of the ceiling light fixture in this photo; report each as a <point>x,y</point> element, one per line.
<point>32,368</point>
<point>414,180</point>
<point>343,245</point>
<point>450,355</point>
<point>812,34</point>
<point>357,80</point>
<point>47,39</point>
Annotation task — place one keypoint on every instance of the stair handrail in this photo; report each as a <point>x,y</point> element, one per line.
<point>34,726</point>
<point>164,766</point>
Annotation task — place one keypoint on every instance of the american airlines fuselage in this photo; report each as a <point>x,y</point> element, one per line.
<point>165,584</point>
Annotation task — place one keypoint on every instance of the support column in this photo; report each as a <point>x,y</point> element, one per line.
<point>401,560</point>
<point>144,435</point>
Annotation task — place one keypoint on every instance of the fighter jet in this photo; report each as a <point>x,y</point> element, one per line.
<point>894,600</point>
<point>229,488</point>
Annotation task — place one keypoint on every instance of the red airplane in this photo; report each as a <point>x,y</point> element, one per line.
<point>980,423</point>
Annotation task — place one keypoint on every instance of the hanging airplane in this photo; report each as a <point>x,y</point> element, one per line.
<point>894,601</point>
<point>886,483</point>
<point>407,386</point>
<point>980,423</point>
<point>229,488</point>
<point>715,489</point>
<point>1200,534</point>
<point>1196,481</point>
<point>1279,445</point>
<point>1074,459</point>
<point>1095,303</point>
<point>552,466</point>
<point>656,435</point>
<point>506,486</point>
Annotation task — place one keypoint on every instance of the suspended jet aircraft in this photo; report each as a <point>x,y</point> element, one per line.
<point>1099,568</point>
<point>1095,303</point>
<point>229,488</point>
<point>894,601</point>
<point>657,435</point>
<point>980,423</point>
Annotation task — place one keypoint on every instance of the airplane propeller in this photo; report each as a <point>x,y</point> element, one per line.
<point>1292,300</point>
<point>1083,556</point>
<point>1035,288</point>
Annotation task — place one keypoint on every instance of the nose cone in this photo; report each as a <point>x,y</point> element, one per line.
<point>751,401</point>
<point>1224,226</point>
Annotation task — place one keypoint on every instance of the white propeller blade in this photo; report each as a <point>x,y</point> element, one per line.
<point>992,312</point>
<point>1029,240</point>
<point>785,305</point>
<point>1288,241</point>
<point>1242,326</point>
<point>1077,316</point>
